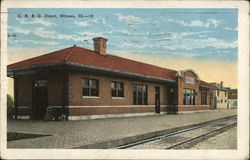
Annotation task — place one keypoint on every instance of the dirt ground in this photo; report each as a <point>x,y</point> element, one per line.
<point>226,140</point>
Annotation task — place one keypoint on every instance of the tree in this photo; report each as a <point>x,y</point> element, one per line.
<point>10,107</point>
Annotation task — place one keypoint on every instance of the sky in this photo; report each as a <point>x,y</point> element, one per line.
<point>204,40</point>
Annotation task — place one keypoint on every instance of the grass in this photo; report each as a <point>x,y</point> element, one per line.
<point>11,136</point>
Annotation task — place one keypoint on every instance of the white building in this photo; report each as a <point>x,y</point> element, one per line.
<point>221,96</point>
<point>232,98</point>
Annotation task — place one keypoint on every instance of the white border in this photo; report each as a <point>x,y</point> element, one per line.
<point>243,85</point>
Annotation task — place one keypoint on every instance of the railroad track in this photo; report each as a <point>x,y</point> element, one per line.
<point>184,137</point>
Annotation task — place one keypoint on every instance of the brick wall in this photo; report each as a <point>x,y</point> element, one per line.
<point>24,84</point>
<point>182,85</point>
<point>24,94</point>
<point>24,91</point>
<point>76,99</point>
<point>196,86</point>
<point>55,89</point>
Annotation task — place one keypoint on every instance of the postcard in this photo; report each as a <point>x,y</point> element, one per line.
<point>125,80</point>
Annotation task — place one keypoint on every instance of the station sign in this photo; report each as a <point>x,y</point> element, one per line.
<point>25,72</point>
<point>189,80</point>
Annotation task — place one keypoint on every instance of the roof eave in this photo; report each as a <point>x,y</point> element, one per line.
<point>83,66</point>
<point>207,87</point>
<point>10,71</point>
<point>120,72</point>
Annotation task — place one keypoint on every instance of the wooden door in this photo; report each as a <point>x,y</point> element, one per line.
<point>40,99</point>
<point>157,100</point>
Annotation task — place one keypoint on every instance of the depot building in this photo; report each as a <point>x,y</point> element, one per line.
<point>76,83</point>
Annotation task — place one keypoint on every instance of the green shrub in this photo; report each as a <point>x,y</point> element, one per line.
<point>10,107</point>
<point>11,136</point>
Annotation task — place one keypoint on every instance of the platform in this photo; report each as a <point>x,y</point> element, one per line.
<point>96,133</point>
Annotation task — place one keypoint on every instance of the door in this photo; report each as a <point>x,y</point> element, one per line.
<point>157,100</point>
<point>39,99</point>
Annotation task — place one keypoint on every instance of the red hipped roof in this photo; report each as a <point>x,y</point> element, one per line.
<point>203,83</point>
<point>88,57</point>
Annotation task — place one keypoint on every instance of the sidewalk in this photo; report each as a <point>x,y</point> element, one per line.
<point>73,134</point>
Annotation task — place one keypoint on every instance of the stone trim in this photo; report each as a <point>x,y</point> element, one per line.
<point>122,106</point>
<point>55,107</point>
<point>23,117</point>
<point>109,116</point>
<point>22,107</point>
<point>193,106</point>
<point>196,111</point>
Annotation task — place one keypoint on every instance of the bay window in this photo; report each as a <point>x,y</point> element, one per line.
<point>188,97</point>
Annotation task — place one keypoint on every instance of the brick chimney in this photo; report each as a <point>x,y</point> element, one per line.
<point>100,45</point>
<point>221,84</point>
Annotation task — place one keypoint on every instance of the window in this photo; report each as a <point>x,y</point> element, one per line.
<point>188,97</point>
<point>203,98</point>
<point>117,89</point>
<point>218,93</point>
<point>140,95</point>
<point>225,94</point>
<point>221,101</point>
<point>90,87</point>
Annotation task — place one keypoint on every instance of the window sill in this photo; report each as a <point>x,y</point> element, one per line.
<point>118,98</point>
<point>90,97</point>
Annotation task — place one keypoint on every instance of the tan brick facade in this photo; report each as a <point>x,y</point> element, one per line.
<point>78,105</point>
<point>196,86</point>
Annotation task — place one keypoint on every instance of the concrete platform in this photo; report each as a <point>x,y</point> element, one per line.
<point>103,133</point>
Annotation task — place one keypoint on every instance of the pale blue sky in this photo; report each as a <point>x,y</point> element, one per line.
<point>194,33</point>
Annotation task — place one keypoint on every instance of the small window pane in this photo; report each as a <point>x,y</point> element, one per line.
<point>120,93</point>
<point>139,88</point>
<point>85,92</point>
<point>139,100</point>
<point>118,85</point>
<point>94,83</point>
<point>112,85</point>
<point>94,92</point>
<point>85,83</point>
<point>113,93</point>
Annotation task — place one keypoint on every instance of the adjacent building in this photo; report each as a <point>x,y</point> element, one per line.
<point>77,83</point>
<point>232,98</point>
<point>221,96</point>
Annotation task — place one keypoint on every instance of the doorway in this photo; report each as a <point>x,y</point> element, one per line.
<point>157,100</point>
<point>39,99</point>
